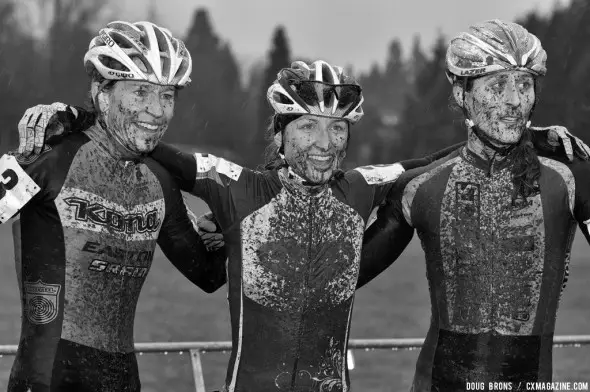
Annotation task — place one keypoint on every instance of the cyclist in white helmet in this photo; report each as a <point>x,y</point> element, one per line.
<point>97,206</point>
<point>496,222</point>
<point>293,232</point>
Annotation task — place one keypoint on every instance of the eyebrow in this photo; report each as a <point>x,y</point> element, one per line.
<point>499,77</point>
<point>502,78</point>
<point>140,85</point>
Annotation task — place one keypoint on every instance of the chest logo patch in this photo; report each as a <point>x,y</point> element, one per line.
<point>41,301</point>
<point>467,193</point>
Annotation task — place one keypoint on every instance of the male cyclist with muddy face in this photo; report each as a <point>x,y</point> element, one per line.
<point>87,237</point>
<point>496,222</point>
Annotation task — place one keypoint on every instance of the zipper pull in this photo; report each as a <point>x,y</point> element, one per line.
<point>491,164</point>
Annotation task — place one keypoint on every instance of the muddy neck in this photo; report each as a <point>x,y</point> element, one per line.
<point>294,182</point>
<point>476,146</point>
<point>111,144</point>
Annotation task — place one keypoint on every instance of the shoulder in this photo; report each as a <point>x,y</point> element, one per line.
<point>576,171</point>
<point>163,177</point>
<point>56,159</point>
<point>414,178</point>
<point>430,178</point>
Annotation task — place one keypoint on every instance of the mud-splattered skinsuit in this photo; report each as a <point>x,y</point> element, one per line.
<point>294,255</point>
<point>495,268</point>
<point>84,248</point>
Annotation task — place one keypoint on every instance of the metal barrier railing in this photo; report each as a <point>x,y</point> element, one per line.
<point>195,349</point>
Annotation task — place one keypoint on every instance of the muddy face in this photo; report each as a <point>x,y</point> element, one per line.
<point>500,105</point>
<point>138,113</point>
<point>315,146</point>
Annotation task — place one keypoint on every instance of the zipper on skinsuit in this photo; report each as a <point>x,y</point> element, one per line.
<point>310,213</point>
<point>492,251</point>
<point>127,170</point>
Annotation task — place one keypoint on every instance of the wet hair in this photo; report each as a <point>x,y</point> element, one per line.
<point>277,123</point>
<point>96,77</point>
<point>526,167</point>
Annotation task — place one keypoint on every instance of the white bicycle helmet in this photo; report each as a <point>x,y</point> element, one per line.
<point>319,89</point>
<point>494,46</point>
<point>144,50</point>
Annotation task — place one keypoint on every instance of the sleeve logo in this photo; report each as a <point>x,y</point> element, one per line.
<point>380,174</point>
<point>210,166</point>
<point>41,302</point>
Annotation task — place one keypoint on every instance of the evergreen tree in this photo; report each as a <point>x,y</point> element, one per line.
<point>67,42</point>
<point>427,123</point>
<point>394,80</point>
<point>210,110</point>
<point>279,57</point>
<point>417,60</point>
<point>19,77</point>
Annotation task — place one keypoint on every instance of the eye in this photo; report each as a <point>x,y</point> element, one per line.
<point>525,85</point>
<point>498,86</point>
<point>338,127</point>
<point>140,93</point>
<point>305,125</point>
<point>168,96</point>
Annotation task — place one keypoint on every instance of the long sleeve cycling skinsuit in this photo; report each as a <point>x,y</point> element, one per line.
<point>294,254</point>
<point>85,245</point>
<point>495,268</point>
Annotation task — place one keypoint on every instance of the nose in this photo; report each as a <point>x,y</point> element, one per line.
<point>322,138</point>
<point>154,106</point>
<point>512,94</point>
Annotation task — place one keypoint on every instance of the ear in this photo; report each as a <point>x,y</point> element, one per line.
<point>100,97</point>
<point>458,94</point>
<point>278,139</point>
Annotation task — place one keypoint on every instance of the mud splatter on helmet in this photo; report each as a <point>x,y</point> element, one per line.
<point>143,51</point>
<point>494,46</point>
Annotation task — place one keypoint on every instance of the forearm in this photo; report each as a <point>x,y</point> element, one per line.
<point>383,243</point>
<point>182,166</point>
<point>428,159</point>
<point>203,268</point>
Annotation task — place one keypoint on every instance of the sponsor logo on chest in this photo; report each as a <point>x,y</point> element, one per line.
<point>84,210</point>
<point>115,267</point>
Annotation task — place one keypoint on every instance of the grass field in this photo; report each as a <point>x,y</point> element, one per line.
<point>394,305</point>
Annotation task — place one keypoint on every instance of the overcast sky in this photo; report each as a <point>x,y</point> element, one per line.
<point>355,32</point>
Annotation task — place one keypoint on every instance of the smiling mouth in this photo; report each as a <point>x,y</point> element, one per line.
<point>321,158</point>
<point>321,161</point>
<point>147,126</point>
<point>510,119</point>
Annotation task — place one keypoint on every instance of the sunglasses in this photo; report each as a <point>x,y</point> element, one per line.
<point>312,92</point>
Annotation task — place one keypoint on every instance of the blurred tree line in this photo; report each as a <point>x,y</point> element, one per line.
<point>406,105</point>
<point>427,122</point>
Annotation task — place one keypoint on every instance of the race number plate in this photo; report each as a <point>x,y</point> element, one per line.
<point>16,187</point>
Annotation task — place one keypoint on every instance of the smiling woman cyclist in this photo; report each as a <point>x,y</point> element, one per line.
<point>293,233</point>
